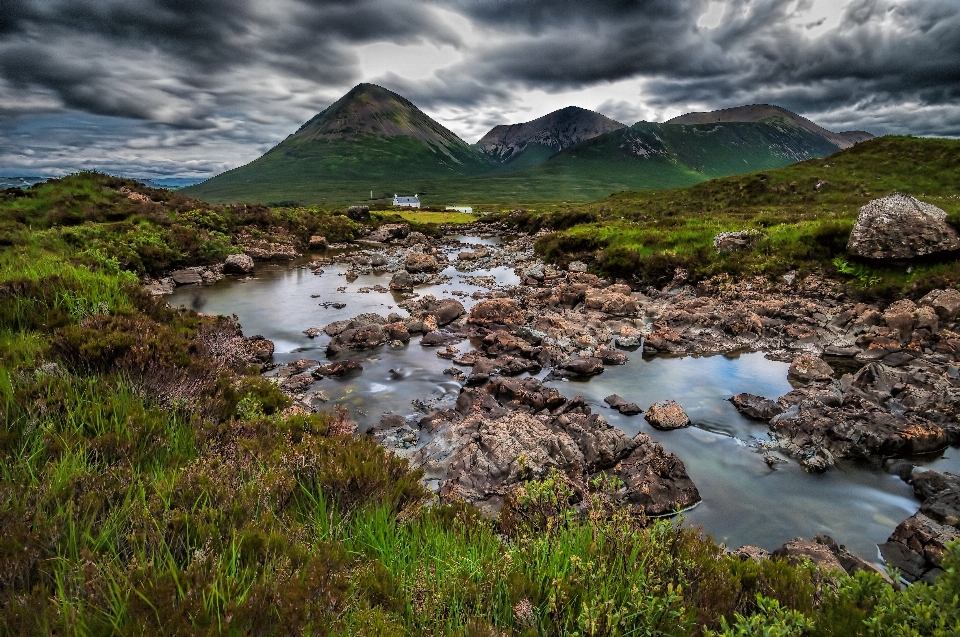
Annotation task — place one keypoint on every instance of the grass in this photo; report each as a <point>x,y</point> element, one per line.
<point>149,487</point>
<point>647,235</point>
<point>427,216</point>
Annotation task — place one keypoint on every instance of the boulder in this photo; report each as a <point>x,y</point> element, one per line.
<point>756,407</point>
<point>738,240</point>
<point>667,415</point>
<point>611,302</point>
<point>444,311</point>
<point>809,368</point>
<point>580,367</point>
<point>946,303</point>
<point>238,264</point>
<point>577,266</point>
<point>297,384</point>
<point>825,553</point>
<point>497,312</point>
<point>901,316</point>
<point>389,232</point>
<point>336,369</point>
<point>478,253</point>
<point>417,263</point>
<point>185,277</point>
<point>401,281</point>
<point>358,213</point>
<point>654,480</point>
<point>901,227</point>
<point>318,242</point>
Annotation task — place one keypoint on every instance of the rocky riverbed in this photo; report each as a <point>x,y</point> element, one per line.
<point>870,383</point>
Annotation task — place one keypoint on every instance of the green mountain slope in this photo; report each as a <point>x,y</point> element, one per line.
<point>369,135</point>
<point>518,146</point>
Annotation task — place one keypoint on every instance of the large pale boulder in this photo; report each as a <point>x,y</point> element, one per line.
<point>238,264</point>
<point>901,227</point>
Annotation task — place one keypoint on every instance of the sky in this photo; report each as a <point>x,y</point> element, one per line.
<point>190,88</point>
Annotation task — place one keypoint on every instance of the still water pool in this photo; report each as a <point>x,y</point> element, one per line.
<point>744,501</point>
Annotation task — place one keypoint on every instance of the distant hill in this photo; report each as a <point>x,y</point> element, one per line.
<point>370,135</point>
<point>530,143</point>
<point>373,141</point>
<point>768,113</point>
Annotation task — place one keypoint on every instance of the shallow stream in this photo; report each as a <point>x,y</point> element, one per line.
<point>744,500</point>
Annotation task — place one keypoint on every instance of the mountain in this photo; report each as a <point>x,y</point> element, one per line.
<point>530,143</point>
<point>768,113</point>
<point>370,135</point>
<point>664,155</point>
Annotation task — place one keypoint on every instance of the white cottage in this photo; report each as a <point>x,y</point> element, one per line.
<point>407,202</point>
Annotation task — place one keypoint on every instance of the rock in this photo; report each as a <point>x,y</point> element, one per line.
<point>444,311</point>
<point>478,253</point>
<point>296,367</point>
<point>337,369</point>
<point>900,316</point>
<point>621,405</point>
<point>159,288</point>
<point>655,481</point>
<point>358,213</point>
<point>901,227</point>
<point>359,334</point>
<point>401,281</point>
<point>756,407</point>
<point>258,349</point>
<point>667,415</point>
<point>535,272</point>
<point>577,266</point>
<point>824,552</point>
<point>738,240</point>
<point>297,384</point>
<point>946,303</point>
<point>581,367</point>
<point>754,553</point>
<point>610,302</point>
<point>417,263</point>
<point>497,312</point>
<point>238,264</point>
<point>185,277</point>
<point>808,368</point>
<point>389,232</point>
<point>318,242</point>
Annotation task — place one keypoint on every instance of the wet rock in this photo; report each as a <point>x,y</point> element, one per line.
<point>296,367</point>
<point>444,311</point>
<point>474,255</point>
<point>901,227</point>
<point>580,367</point>
<point>824,552</point>
<point>358,337</point>
<point>917,545</point>
<point>667,415</point>
<point>185,277</point>
<point>610,302</point>
<point>439,337</point>
<point>417,263</point>
<point>756,407</point>
<point>655,481</point>
<point>401,282</point>
<point>397,331</point>
<point>610,357</point>
<point>337,369</point>
<point>297,384</point>
<point>358,213</point>
<point>808,368</point>
<point>500,311</point>
<point>621,405</point>
<point>238,264</point>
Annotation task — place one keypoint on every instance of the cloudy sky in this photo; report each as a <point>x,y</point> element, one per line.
<point>193,87</point>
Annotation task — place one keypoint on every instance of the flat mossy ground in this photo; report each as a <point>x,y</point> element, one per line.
<point>152,484</point>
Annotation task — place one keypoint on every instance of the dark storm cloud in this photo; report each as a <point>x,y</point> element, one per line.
<point>180,61</point>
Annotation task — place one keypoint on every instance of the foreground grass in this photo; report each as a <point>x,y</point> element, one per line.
<point>151,484</point>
